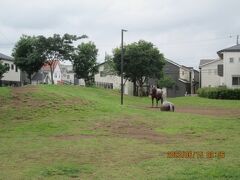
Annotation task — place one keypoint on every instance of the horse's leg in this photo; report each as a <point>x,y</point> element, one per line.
<point>152,101</point>
<point>157,102</point>
<point>161,100</point>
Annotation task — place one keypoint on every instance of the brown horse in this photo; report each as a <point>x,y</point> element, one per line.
<point>156,94</point>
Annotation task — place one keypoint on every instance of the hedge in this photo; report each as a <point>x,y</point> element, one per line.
<point>219,93</point>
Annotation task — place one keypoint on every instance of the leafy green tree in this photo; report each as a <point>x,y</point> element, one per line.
<point>85,62</point>
<point>58,48</point>
<point>3,69</point>
<point>141,61</point>
<point>28,55</point>
<point>166,82</point>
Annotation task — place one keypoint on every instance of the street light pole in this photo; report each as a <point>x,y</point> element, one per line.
<point>122,65</point>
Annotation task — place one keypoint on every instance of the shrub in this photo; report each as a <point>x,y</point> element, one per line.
<point>219,93</point>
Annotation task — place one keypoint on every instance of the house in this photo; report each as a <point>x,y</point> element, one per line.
<point>224,71</point>
<point>186,79</point>
<point>44,74</point>
<point>111,81</point>
<point>13,76</point>
<point>208,69</point>
<point>67,74</point>
<point>231,66</point>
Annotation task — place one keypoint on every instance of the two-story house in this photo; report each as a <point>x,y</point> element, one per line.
<point>224,71</point>
<point>231,66</point>
<point>186,79</point>
<point>13,76</point>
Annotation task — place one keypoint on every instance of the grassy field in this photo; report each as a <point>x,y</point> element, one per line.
<point>68,132</point>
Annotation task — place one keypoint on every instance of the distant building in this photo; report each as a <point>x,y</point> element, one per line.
<point>43,76</point>
<point>224,71</point>
<point>186,79</point>
<point>13,76</point>
<point>105,80</point>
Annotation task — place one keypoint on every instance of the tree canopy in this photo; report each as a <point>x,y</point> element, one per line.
<point>28,54</point>
<point>85,62</point>
<point>58,48</point>
<point>141,61</point>
<point>166,82</point>
<point>31,52</point>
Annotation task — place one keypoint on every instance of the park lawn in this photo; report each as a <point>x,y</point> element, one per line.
<point>64,132</point>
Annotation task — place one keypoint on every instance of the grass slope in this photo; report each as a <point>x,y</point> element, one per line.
<point>64,132</point>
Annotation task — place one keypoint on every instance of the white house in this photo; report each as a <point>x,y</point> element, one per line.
<point>209,73</point>
<point>102,79</point>
<point>12,77</point>
<point>44,74</point>
<point>224,71</point>
<point>231,66</point>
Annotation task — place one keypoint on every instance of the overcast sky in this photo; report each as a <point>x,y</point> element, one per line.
<point>185,31</point>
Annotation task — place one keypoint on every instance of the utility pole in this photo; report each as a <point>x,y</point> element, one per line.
<point>122,65</point>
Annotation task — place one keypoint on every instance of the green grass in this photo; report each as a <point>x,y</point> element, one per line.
<point>69,132</point>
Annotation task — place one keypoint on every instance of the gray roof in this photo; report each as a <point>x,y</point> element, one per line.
<point>206,61</point>
<point>172,62</point>
<point>5,57</point>
<point>235,48</point>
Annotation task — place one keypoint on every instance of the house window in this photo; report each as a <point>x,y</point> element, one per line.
<point>68,76</point>
<point>55,75</point>
<point>231,60</point>
<point>183,73</point>
<point>236,80</point>
<point>16,69</point>
<point>12,66</point>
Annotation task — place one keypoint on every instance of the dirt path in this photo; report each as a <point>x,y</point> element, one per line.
<point>208,111</point>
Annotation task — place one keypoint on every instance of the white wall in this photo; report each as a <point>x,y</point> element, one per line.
<point>231,69</point>
<point>210,76</point>
<point>115,80</point>
<point>184,74</point>
<point>11,75</point>
<point>57,75</point>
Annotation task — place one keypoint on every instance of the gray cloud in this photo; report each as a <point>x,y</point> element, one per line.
<point>183,30</point>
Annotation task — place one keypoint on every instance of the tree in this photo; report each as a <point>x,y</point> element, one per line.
<point>3,69</point>
<point>166,82</point>
<point>28,55</point>
<point>141,61</point>
<point>85,62</point>
<point>57,48</point>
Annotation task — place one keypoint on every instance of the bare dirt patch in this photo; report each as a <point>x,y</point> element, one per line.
<point>130,128</point>
<point>208,111</point>
<point>21,96</point>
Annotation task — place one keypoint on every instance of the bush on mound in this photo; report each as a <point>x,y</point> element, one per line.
<point>219,93</point>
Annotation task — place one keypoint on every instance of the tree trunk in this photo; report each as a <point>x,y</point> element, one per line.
<point>0,82</point>
<point>134,88</point>
<point>51,71</point>
<point>30,78</point>
<point>141,89</point>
